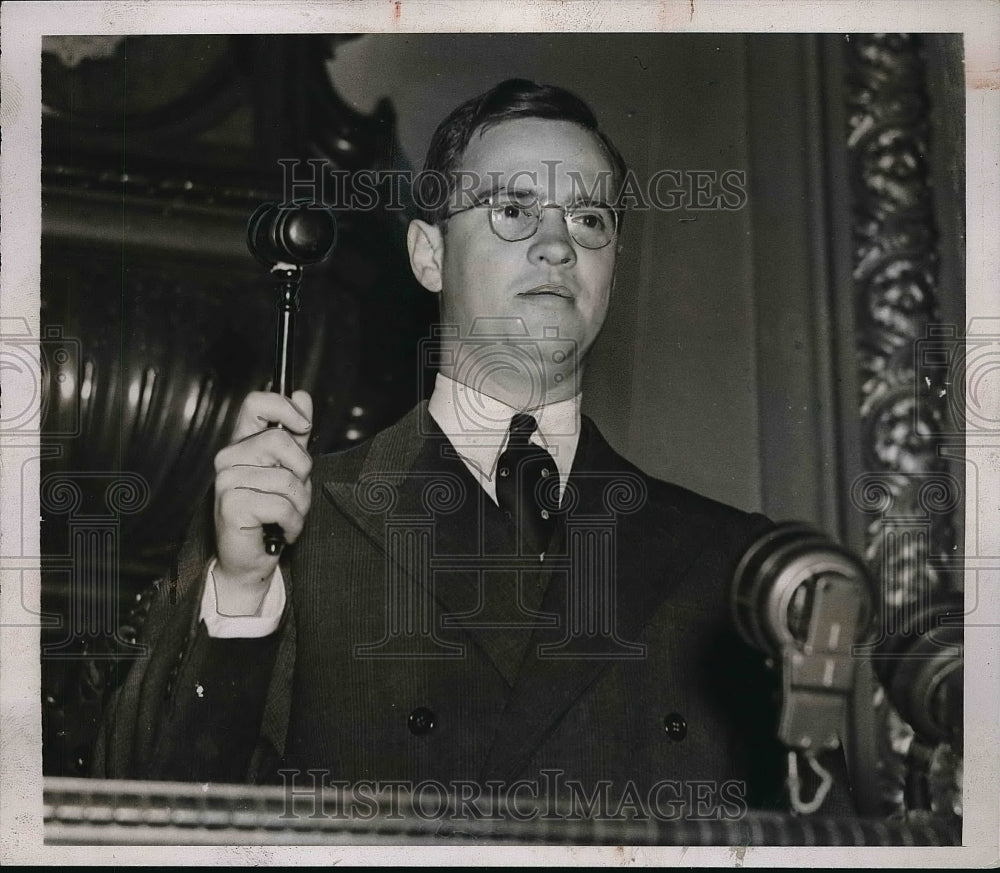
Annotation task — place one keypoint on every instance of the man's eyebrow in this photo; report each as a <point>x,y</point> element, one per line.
<point>497,188</point>
<point>482,196</point>
<point>588,201</point>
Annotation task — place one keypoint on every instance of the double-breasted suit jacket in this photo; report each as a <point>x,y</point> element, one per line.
<point>417,643</point>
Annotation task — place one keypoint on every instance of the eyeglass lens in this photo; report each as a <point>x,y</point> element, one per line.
<point>515,218</point>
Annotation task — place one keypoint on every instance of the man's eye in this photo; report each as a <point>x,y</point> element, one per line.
<point>590,220</point>
<point>513,210</point>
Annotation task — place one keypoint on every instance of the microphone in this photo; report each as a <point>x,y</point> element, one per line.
<point>805,601</point>
<point>920,664</point>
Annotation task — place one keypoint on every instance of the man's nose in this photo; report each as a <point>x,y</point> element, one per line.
<point>551,243</point>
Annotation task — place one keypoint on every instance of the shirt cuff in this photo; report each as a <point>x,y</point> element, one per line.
<point>262,624</point>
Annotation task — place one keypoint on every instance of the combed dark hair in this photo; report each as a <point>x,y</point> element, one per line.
<point>513,98</point>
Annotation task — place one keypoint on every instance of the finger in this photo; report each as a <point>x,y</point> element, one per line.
<point>273,480</point>
<point>269,448</point>
<point>263,408</point>
<point>247,510</point>
<point>273,448</point>
<point>302,401</point>
<point>270,480</point>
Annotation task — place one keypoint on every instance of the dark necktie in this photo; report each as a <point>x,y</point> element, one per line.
<point>528,486</point>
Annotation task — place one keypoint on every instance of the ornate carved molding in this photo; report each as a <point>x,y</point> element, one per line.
<point>908,493</point>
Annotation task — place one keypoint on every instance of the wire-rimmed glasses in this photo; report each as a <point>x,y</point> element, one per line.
<point>516,215</point>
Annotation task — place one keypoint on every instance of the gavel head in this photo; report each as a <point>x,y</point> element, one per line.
<point>298,233</point>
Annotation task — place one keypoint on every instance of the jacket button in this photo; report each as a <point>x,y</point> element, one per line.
<point>675,726</point>
<point>421,721</point>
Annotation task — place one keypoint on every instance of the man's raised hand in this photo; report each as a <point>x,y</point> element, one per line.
<point>261,477</point>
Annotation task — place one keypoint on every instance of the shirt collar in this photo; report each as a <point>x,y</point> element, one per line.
<point>477,425</point>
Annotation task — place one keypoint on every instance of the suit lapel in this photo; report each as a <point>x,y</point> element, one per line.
<point>365,493</point>
<point>412,475</point>
<point>560,664</point>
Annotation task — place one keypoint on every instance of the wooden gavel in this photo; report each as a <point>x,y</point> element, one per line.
<point>286,238</point>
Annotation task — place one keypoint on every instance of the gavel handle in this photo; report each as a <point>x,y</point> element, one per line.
<point>288,301</point>
<point>274,538</point>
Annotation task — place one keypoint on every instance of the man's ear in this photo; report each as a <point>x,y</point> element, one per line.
<point>426,245</point>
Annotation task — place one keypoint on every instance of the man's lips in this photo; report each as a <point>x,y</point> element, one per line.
<point>547,290</point>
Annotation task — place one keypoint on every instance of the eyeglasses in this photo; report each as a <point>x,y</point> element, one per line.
<point>515,216</point>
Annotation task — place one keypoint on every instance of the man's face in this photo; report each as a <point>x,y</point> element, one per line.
<point>548,283</point>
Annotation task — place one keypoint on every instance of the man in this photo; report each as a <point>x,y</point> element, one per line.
<point>485,591</point>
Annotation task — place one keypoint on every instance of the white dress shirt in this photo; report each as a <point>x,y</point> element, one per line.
<point>476,425</point>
